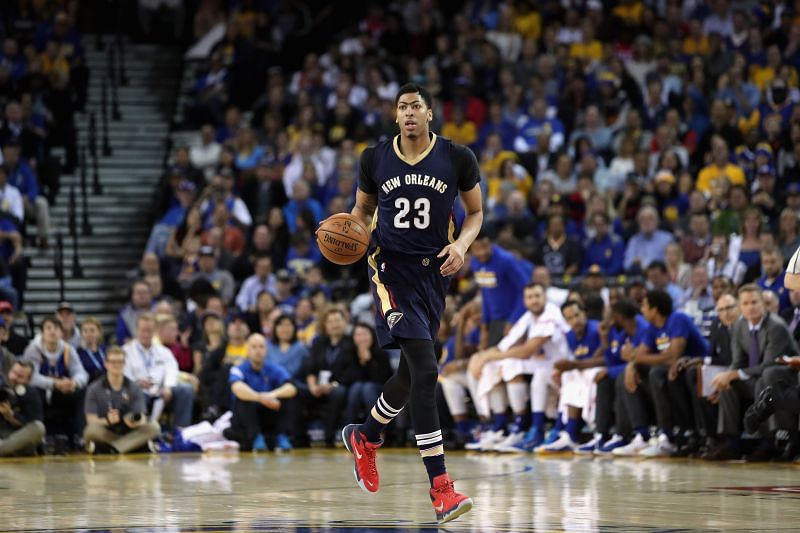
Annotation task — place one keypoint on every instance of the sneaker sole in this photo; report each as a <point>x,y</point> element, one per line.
<point>463,508</point>
<point>359,481</point>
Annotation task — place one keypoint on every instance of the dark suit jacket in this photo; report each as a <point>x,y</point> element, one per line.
<point>719,339</point>
<point>774,341</point>
<point>345,368</point>
<point>787,315</point>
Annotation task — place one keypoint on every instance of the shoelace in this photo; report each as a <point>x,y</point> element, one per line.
<point>446,488</point>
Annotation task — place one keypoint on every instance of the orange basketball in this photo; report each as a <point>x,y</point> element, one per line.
<point>342,239</point>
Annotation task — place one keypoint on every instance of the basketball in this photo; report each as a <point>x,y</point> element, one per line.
<point>342,239</point>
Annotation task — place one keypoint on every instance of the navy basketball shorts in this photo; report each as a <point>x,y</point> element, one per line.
<point>409,294</point>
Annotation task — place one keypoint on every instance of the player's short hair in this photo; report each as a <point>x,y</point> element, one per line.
<point>661,301</point>
<point>748,287</point>
<point>413,88</point>
<point>570,303</point>
<point>625,307</point>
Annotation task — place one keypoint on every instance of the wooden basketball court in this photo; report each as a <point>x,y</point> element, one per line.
<point>314,490</point>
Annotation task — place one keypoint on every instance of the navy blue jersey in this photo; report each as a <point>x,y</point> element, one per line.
<point>415,197</point>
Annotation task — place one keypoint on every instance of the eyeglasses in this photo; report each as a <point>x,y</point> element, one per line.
<point>726,308</point>
<point>115,361</point>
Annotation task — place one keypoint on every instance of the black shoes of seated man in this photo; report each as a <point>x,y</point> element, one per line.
<point>761,409</point>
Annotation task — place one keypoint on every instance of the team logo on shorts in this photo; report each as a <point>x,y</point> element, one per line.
<point>393,318</point>
<point>426,262</point>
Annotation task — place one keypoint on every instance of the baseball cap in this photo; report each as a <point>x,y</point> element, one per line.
<point>65,306</point>
<point>283,275</point>
<point>6,306</point>
<point>206,251</point>
<point>764,149</point>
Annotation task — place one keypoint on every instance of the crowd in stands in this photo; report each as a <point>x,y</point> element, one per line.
<point>43,82</point>
<point>641,172</point>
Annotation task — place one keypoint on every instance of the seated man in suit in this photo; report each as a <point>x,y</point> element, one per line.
<point>758,338</point>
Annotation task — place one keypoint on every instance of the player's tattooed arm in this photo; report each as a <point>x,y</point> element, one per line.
<point>365,207</point>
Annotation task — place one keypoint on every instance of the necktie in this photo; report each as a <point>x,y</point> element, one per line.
<point>755,357</point>
<point>795,320</point>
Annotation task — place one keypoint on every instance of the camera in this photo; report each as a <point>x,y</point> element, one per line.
<point>136,418</point>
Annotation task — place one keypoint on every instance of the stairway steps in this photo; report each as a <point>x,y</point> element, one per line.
<point>129,177</point>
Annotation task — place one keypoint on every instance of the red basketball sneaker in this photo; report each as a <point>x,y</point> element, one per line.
<point>365,470</point>
<point>448,503</point>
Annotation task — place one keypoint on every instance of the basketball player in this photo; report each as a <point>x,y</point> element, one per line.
<point>406,190</point>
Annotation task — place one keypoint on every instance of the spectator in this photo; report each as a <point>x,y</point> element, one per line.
<point>720,168</point>
<point>720,262</point>
<point>12,211</point>
<point>22,176</point>
<point>560,253</point>
<point>284,349</point>
<point>15,343</point>
<point>92,351</point>
<point>21,427</point>
<point>116,412</point>
<point>648,244</point>
<point>204,155</point>
<point>141,302</point>
<point>262,393</point>
<point>772,276</point>
<point>60,375</point>
<point>220,357</point>
<point>176,341</point>
<point>604,250</point>
<point>66,315</point>
<point>695,244</point>
<point>172,219</point>
<point>155,370</point>
<point>679,272</point>
<point>220,280</point>
<point>332,366</point>
<point>262,280</point>
<point>374,371</point>
<point>658,278</point>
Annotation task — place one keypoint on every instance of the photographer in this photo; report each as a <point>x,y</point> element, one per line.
<point>21,427</point>
<point>115,410</point>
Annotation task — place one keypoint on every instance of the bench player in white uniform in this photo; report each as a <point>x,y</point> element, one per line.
<point>533,344</point>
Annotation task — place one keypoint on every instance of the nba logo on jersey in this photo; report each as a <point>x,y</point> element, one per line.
<point>393,319</point>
